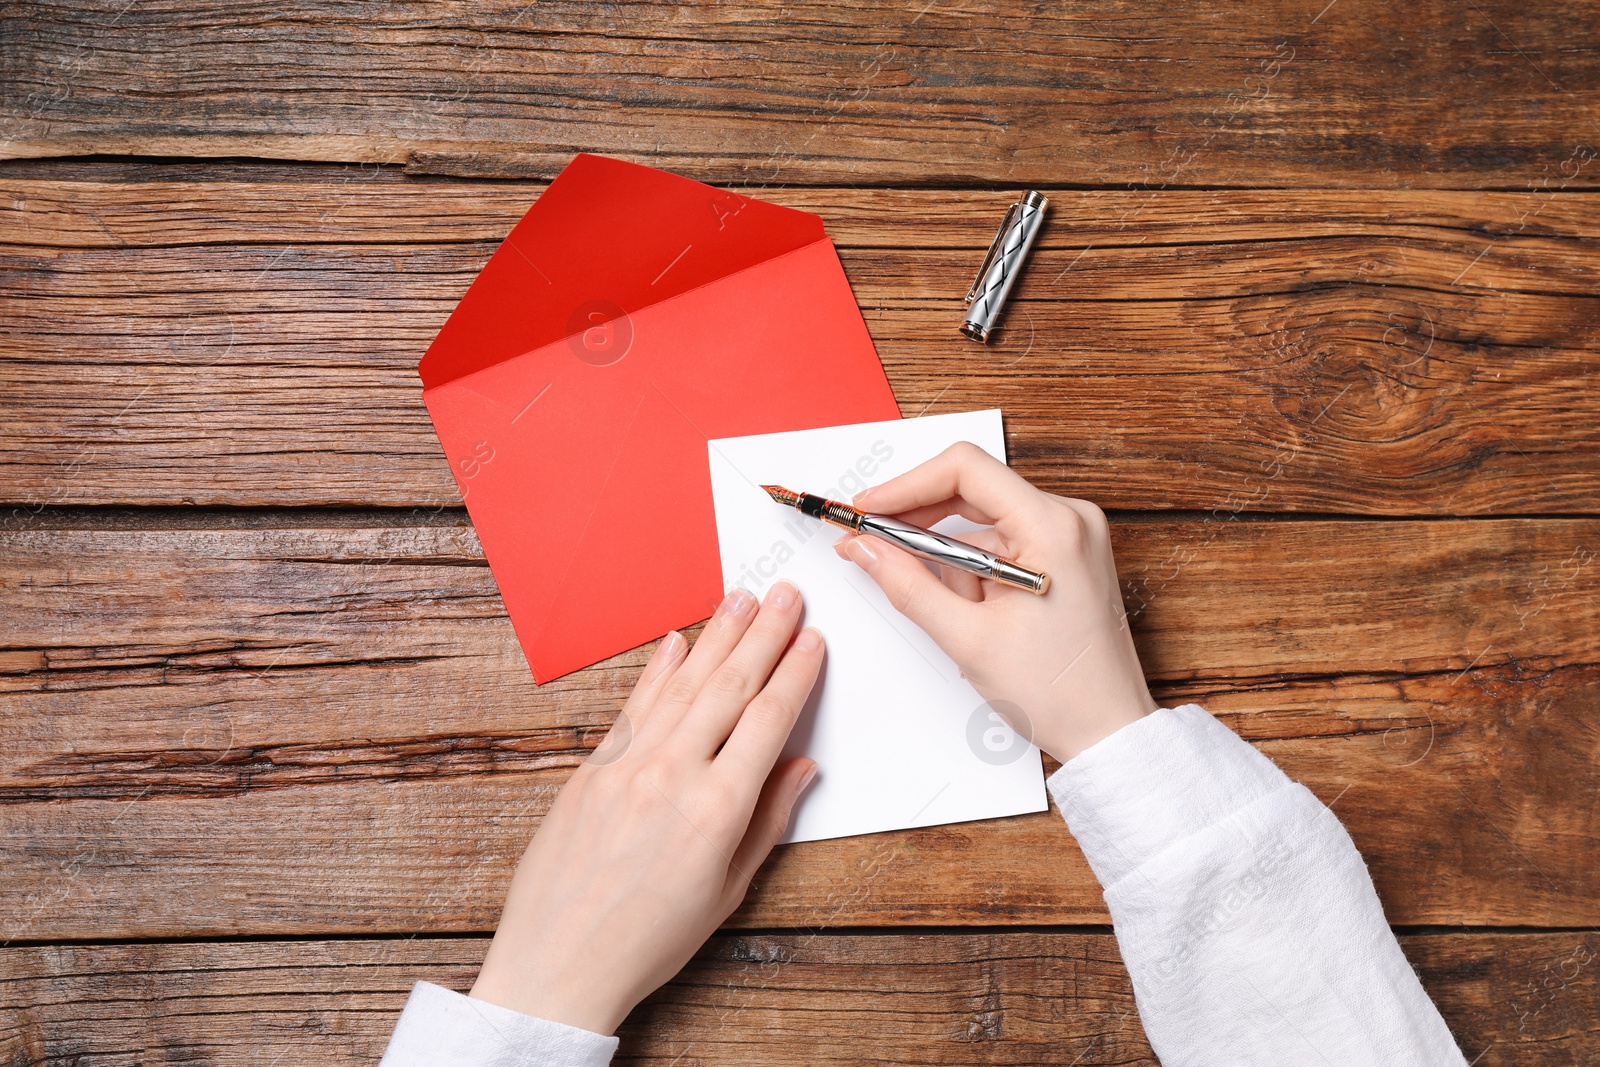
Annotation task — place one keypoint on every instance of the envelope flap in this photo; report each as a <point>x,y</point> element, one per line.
<point>606,238</point>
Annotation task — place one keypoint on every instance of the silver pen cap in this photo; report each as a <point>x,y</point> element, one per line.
<point>1002,264</point>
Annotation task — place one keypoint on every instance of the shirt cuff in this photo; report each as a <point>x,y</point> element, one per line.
<point>1155,782</point>
<point>443,1028</point>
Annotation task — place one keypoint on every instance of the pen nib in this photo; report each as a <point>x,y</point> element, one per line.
<point>783,496</point>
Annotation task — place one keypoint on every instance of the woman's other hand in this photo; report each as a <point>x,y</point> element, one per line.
<point>653,841</point>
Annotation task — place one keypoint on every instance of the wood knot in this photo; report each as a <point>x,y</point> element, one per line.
<point>983,1026</point>
<point>1354,364</point>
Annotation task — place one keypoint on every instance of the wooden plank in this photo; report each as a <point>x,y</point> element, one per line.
<point>1298,94</point>
<point>131,210</point>
<point>1380,353</point>
<point>982,997</point>
<point>185,710</point>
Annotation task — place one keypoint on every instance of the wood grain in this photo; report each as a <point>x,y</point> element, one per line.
<point>1118,92</point>
<point>1372,353</point>
<point>1303,258</point>
<point>980,997</point>
<point>184,710</point>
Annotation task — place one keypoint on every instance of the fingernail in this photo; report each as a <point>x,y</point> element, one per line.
<point>670,645</point>
<point>738,602</point>
<point>808,641</point>
<point>862,554</point>
<point>805,779</point>
<point>862,496</point>
<point>781,595</point>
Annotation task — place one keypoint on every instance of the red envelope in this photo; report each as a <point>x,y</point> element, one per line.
<point>630,316</point>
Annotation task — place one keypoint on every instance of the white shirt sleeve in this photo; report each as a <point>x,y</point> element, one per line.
<point>1243,911</point>
<point>443,1028</point>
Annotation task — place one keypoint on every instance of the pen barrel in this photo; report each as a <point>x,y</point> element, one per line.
<point>948,552</point>
<point>1006,255</point>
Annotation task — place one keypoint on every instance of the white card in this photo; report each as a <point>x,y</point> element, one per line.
<point>900,738</point>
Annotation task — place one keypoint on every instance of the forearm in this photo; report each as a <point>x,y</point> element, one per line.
<point>1245,915</point>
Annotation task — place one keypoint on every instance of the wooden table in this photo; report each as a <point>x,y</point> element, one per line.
<point>1315,318</point>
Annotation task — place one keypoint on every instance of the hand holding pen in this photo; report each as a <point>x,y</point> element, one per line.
<point>1062,664</point>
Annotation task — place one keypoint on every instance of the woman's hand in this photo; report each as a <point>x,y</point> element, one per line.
<point>652,843</point>
<point>1061,668</point>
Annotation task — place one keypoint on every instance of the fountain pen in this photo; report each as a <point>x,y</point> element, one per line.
<point>945,551</point>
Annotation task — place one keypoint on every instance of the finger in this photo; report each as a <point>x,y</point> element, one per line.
<point>719,638</point>
<point>767,823</point>
<point>915,593</point>
<point>964,583</point>
<point>760,731</point>
<point>963,470</point>
<point>657,671</point>
<point>957,581</point>
<point>988,540</point>
<point>928,514</point>
<point>743,674</point>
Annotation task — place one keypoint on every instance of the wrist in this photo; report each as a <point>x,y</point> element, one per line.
<point>541,993</point>
<point>1093,721</point>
